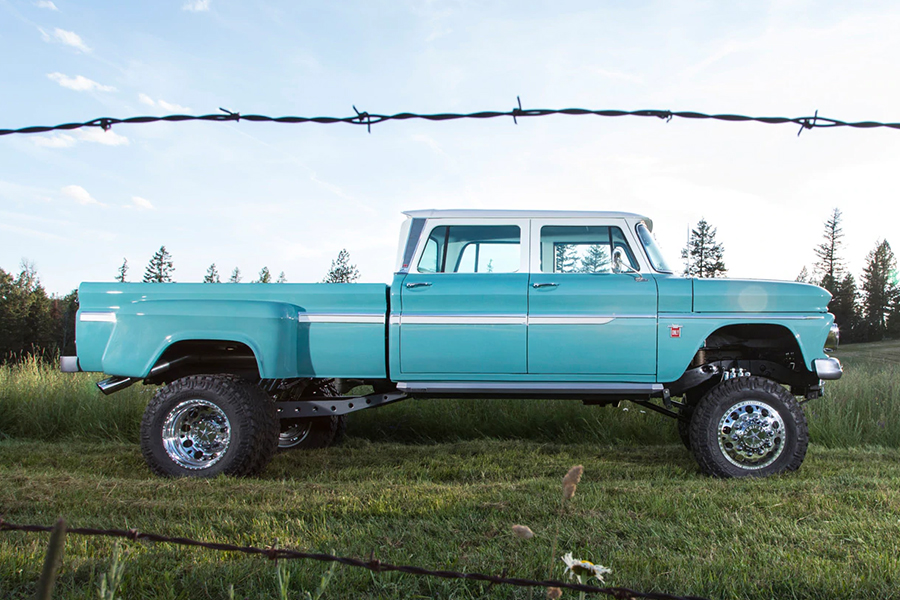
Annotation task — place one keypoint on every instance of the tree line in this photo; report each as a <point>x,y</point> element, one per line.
<point>33,322</point>
<point>866,313</point>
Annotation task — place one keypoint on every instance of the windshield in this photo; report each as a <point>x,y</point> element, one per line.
<point>653,252</point>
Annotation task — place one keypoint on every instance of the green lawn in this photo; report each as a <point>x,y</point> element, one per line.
<point>439,484</point>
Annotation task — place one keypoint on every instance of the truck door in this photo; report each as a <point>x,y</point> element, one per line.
<point>583,317</point>
<point>464,301</point>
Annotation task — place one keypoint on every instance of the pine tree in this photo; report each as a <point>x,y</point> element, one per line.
<point>803,277</point>
<point>264,276</point>
<point>341,270</point>
<point>160,267</point>
<point>703,256</point>
<point>235,276</point>
<point>830,265</point>
<point>123,271</point>
<point>566,258</point>
<point>845,308</point>
<point>212,275</point>
<point>879,289</point>
<point>596,260</point>
<point>281,278</point>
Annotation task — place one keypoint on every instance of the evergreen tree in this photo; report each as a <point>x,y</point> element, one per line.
<point>830,265</point>
<point>281,278</point>
<point>160,267</point>
<point>596,260</point>
<point>212,275</point>
<point>264,276</point>
<point>703,256</point>
<point>845,308</point>
<point>235,276</point>
<point>566,258</point>
<point>123,271</point>
<point>879,289</point>
<point>803,277</point>
<point>341,270</point>
<point>27,323</point>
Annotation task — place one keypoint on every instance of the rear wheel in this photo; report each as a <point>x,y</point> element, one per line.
<point>748,426</point>
<point>313,432</point>
<point>207,425</point>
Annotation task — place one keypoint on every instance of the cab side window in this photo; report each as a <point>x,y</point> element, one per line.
<point>581,248</point>
<point>472,249</point>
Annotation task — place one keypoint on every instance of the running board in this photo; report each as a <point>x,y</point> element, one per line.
<point>534,389</point>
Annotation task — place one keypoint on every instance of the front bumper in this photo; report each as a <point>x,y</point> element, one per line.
<point>828,368</point>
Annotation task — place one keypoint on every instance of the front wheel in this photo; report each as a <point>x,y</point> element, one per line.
<point>206,425</point>
<point>746,427</point>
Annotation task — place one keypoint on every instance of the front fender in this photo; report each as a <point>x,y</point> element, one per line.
<point>676,353</point>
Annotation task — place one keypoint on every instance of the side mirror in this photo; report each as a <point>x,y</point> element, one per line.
<point>622,265</point>
<point>620,262</point>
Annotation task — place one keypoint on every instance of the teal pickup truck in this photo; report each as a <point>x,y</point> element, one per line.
<point>526,304</point>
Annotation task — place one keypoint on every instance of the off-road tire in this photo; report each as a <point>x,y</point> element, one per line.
<point>252,431</point>
<point>738,402</point>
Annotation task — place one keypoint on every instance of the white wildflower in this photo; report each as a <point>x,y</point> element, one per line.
<point>583,568</point>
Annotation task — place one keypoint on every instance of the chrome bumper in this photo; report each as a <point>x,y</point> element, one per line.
<point>828,368</point>
<point>69,364</point>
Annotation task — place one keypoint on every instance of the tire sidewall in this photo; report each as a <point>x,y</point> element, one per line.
<point>222,392</point>
<point>720,399</point>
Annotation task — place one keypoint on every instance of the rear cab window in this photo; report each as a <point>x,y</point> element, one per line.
<point>472,249</point>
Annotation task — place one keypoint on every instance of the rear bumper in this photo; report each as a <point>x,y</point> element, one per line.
<point>828,368</point>
<point>69,364</point>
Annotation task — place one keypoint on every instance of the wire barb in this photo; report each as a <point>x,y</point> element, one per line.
<point>806,124</point>
<point>364,117</point>
<point>231,116</point>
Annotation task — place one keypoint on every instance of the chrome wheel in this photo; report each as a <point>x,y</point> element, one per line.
<point>293,433</point>
<point>751,435</point>
<point>196,434</point>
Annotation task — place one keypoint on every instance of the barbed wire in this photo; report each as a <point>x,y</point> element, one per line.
<point>373,564</point>
<point>368,119</point>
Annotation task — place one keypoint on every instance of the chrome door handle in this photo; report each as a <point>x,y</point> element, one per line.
<point>540,285</point>
<point>416,284</point>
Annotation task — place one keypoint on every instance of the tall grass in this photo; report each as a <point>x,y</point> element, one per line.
<point>862,408</point>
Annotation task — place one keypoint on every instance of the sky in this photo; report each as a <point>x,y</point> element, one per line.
<point>290,197</point>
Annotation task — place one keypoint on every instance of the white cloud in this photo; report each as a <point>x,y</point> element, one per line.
<point>80,195</point>
<point>97,135</point>
<point>45,4</point>
<point>59,140</point>
<point>142,203</point>
<point>69,38</point>
<point>79,83</point>
<point>169,106</point>
<point>196,5</point>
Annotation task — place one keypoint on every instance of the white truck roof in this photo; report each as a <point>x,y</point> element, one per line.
<point>524,214</point>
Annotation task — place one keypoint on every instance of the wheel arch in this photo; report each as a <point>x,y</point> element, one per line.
<point>199,356</point>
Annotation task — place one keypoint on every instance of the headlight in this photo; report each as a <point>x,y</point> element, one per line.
<point>834,339</point>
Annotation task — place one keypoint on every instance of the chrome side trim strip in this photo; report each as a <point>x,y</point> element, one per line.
<point>97,317</point>
<point>570,320</point>
<point>757,316</point>
<point>463,320</point>
<point>510,319</point>
<point>324,318</point>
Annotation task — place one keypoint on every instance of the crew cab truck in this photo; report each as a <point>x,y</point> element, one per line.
<point>528,304</point>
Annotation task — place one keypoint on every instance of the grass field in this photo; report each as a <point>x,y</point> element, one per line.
<point>439,484</point>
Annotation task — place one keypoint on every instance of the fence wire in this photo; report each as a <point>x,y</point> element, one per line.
<point>372,564</point>
<point>368,119</point>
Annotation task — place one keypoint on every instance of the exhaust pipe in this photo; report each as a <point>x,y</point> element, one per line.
<point>115,384</point>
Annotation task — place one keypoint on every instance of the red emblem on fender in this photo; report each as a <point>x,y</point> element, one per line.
<point>675,331</point>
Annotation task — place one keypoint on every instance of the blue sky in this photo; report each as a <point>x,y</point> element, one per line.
<point>291,196</point>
